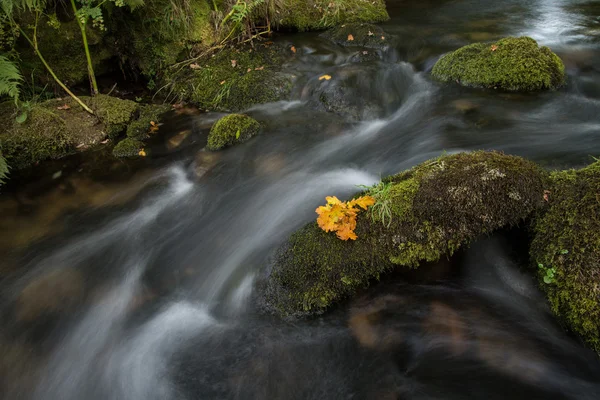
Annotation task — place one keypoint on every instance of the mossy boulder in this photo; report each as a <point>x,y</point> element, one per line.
<point>232,129</point>
<point>307,15</point>
<point>236,78</point>
<point>114,113</point>
<point>435,208</point>
<point>128,147</point>
<point>359,35</point>
<point>512,64</point>
<point>567,241</point>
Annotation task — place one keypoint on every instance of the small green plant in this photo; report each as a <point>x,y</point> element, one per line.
<point>10,79</point>
<point>3,169</point>
<point>549,272</point>
<point>382,209</point>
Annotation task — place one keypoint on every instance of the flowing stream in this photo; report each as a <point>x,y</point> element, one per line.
<point>137,280</point>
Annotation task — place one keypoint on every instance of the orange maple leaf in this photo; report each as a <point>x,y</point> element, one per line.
<point>340,217</point>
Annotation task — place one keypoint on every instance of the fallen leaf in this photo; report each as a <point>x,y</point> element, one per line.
<point>195,66</point>
<point>249,69</point>
<point>65,107</point>
<point>293,49</point>
<point>350,38</point>
<point>259,68</point>
<point>234,63</point>
<point>153,123</point>
<point>142,153</point>
<point>222,82</point>
<point>370,33</point>
<point>153,127</point>
<point>105,141</point>
<point>365,52</point>
<point>325,77</point>
<point>383,38</point>
<point>546,195</point>
<point>494,47</point>
<point>80,145</point>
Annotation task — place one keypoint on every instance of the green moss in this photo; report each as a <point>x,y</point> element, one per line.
<point>232,129</point>
<point>44,135</point>
<point>139,128</point>
<point>305,15</point>
<point>513,64</point>
<point>114,113</point>
<point>567,238</point>
<point>436,208</point>
<point>128,148</point>
<point>217,84</point>
<point>361,34</point>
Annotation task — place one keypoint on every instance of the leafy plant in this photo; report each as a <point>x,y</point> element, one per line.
<point>10,79</point>
<point>548,274</point>
<point>9,8</point>
<point>382,209</point>
<point>240,15</point>
<point>3,169</point>
<point>340,217</point>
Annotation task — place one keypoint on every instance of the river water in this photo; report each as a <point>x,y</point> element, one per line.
<point>137,279</point>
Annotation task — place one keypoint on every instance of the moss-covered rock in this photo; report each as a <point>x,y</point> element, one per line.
<point>513,64</point>
<point>567,242</point>
<point>235,79</point>
<point>232,129</point>
<point>435,208</point>
<point>149,115</point>
<point>358,34</point>
<point>114,113</point>
<point>306,15</point>
<point>128,147</point>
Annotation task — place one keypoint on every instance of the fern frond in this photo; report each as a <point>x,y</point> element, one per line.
<point>9,6</point>
<point>3,169</point>
<point>10,78</point>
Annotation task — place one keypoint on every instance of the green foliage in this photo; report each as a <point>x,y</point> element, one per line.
<point>3,169</point>
<point>567,238</point>
<point>384,199</point>
<point>513,64</point>
<point>230,130</point>
<point>10,78</point>
<point>216,84</point>
<point>114,113</point>
<point>437,207</point>
<point>149,114</point>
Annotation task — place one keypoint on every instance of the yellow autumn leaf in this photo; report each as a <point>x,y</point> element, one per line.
<point>363,202</point>
<point>340,217</point>
<point>325,77</point>
<point>142,153</point>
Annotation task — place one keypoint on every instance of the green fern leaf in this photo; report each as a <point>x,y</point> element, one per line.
<point>10,78</point>
<point>3,169</point>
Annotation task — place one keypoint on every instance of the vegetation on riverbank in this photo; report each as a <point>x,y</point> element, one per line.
<point>232,129</point>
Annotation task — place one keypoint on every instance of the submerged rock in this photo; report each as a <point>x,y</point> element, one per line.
<point>421,215</point>
<point>235,79</point>
<point>513,64</point>
<point>306,15</point>
<point>359,35</point>
<point>232,129</point>
<point>566,251</point>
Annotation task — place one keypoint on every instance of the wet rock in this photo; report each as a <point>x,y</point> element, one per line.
<point>436,208</point>
<point>176,141</point>
<point>58,291</point>
<point>365,56</point>
<point>205,161</point>
<point>566,251</point>
<point>359,35</point>
<point>512,64</point>
<point>230,130</point>
<point>128,147</point>
<point>464,106</point>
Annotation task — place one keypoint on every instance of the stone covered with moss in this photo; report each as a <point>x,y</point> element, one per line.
<point>307,15</point>
<point>235,79</point>
<point>128,147</point>
<point>567,239</point>
<point>512,64</point>
<point>436,208</point>
<point>232,129</point>
<point>358,34</point>
<point>58,127</point>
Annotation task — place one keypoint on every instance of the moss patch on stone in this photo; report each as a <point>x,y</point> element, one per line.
<point>512,64</point>
<point>128,147</point>
<point>148,114</point>
<point>232,129</point>
<point>306,15</point>
<point>567,238</point>
<point>436,208</point>
<point>217,83</point>
<point>358,34</point>
<point>114,113</point>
